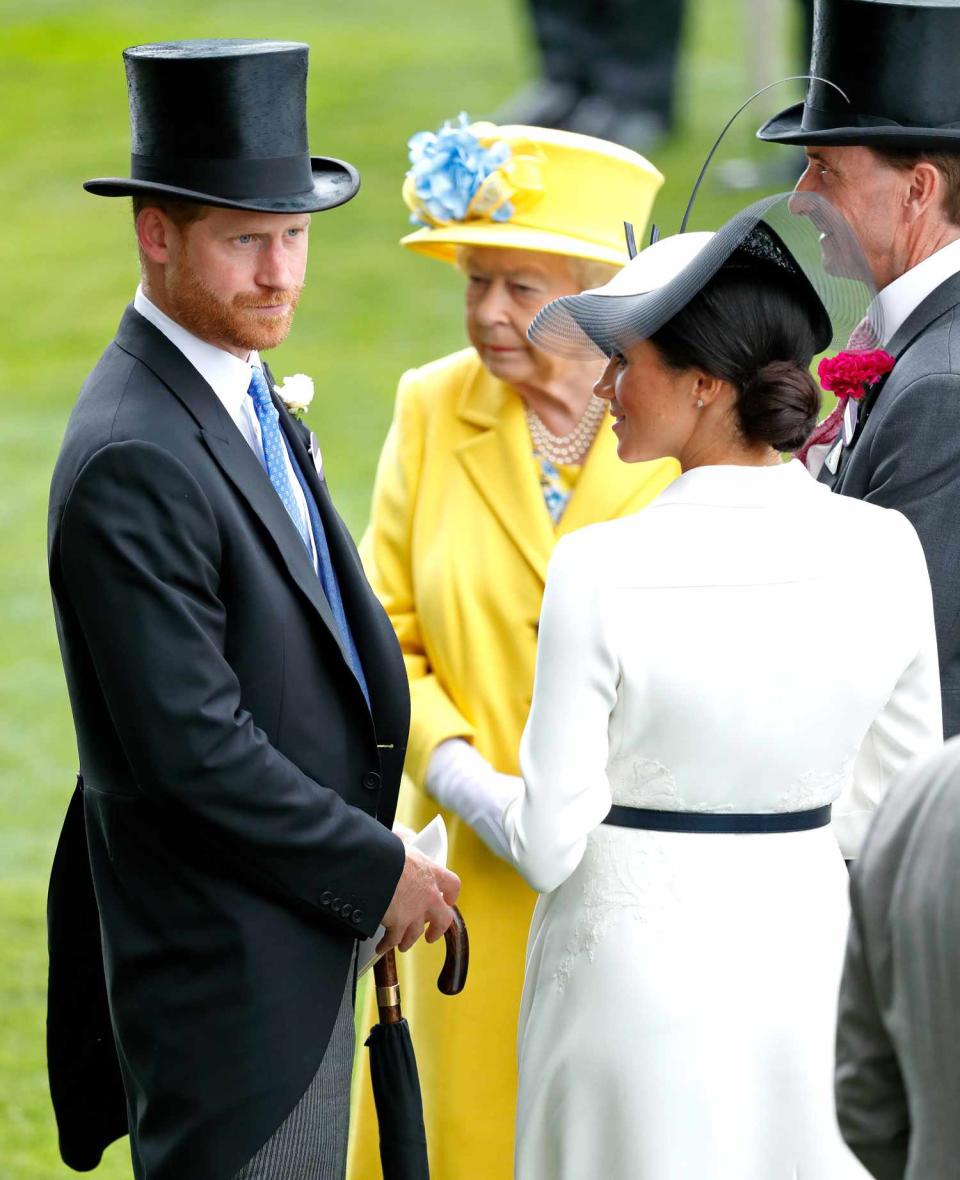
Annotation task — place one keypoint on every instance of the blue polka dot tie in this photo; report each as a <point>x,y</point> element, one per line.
<point>274,452</point>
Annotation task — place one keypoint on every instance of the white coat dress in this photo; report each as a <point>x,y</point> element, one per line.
<point>750,642</point>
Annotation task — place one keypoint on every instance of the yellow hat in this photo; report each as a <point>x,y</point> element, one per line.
<point>525,188</point>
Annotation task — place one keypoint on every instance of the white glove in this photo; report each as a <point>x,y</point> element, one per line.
<point>465,783</point>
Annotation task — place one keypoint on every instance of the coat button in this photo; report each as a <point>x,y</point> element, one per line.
<point>346,912</point>
<point>356,916</point>
<point>326,898</point>
<point>371,780</point>
<point>335,905</point>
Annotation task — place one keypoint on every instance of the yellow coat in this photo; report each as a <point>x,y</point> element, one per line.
<point>457,550</point>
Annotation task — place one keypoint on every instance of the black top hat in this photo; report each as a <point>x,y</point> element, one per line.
<point>224,123</point>
<point>895,62</point>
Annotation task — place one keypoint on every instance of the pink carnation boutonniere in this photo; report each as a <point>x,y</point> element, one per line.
<point>851,374</point>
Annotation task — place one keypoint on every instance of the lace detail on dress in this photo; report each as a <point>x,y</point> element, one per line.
<point>619,877</point>
<point>624,876</point>
<point>643,782</point>
<point>815,788</point>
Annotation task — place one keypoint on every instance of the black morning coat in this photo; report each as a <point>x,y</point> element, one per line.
<point>905,454</point>
<point>229,836</point>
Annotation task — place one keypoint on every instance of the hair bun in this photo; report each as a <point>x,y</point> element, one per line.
<point>779,405</point>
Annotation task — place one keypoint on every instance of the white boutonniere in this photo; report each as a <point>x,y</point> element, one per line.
<point>296,393</point>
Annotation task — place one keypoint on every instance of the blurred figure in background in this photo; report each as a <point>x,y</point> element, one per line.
<point>609,69</point>
<point>494,453</point>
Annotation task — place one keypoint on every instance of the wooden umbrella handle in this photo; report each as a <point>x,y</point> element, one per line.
<point>388,989</point>
<point>453,976</point>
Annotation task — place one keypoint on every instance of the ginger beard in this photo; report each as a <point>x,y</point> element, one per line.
<point>201,311</point>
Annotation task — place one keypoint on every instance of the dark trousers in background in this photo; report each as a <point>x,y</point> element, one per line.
<point>625,50</point>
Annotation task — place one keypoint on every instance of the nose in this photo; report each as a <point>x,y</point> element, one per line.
<point>605,385</point>
<point>805,184</point>
<point>276,267</point>
<point>490,308</point>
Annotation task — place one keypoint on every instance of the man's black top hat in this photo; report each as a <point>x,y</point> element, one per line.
<point>225,123</point>
<point>897,63</point>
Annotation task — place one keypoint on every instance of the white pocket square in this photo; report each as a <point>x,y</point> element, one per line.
<point>315,454</point>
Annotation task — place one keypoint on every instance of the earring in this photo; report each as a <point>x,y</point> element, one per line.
<point>699,403</point>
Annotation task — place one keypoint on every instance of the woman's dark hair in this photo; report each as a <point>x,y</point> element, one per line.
<point>757,329</point>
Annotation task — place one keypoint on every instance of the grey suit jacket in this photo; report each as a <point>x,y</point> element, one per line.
<point>906,455</point>
<point>898,1065</point>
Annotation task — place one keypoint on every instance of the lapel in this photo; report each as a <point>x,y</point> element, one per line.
<point>605,487</point>
<point>498,461</point>
<point>230,451</point>
<point>941,300</point>
<point>371,630</point>
<point>343,553</point>
<point>500,465</point>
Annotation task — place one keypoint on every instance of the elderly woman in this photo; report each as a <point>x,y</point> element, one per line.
<point>494,453</point>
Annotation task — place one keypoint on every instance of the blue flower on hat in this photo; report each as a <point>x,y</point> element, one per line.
<point>449,168</point>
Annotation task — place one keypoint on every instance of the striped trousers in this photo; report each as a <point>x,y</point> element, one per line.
<point>311,1142</point>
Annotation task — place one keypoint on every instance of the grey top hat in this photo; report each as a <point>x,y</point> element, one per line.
<point>897,64</point>
<point>223,122</point>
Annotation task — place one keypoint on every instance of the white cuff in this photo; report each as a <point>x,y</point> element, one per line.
<point>464,782</point>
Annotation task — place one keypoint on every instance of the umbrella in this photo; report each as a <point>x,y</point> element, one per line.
<point>393,1066</point>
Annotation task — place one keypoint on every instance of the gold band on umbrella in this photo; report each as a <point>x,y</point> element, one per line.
<point>389,997</point>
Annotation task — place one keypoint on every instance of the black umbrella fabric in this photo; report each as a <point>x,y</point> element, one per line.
<point>396,1092</point>
<point>393,1065</point>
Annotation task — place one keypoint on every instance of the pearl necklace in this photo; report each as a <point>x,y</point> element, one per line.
<point>572,447</point>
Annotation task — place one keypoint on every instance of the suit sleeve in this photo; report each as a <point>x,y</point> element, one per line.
<point>914,463</point>
<point>910,724</point>
<point>387,553</point>
<point>565,747</point>
<point>871,1098</point>
<point>139,553</point>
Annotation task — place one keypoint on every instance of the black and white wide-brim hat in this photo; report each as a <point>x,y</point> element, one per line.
<point>799,238</point>
<point>223,122</point>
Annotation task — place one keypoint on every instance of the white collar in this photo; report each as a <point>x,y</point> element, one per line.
<point>732,485</point>
<point>227,375</point>
<point>905,294</point>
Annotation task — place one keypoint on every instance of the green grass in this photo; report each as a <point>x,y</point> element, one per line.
<point>380,70</point>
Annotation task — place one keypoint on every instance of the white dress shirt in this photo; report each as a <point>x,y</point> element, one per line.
<point>905,294</point>
<point>229,378</point>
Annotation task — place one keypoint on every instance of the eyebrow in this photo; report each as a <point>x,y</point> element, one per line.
<point>509,275</point>
<point>243,229</point>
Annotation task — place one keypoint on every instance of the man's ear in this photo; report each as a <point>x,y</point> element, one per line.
<point>155,234</point>
<point>925,191</point>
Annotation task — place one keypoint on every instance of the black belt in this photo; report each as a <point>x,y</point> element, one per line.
<point>699,821</point>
